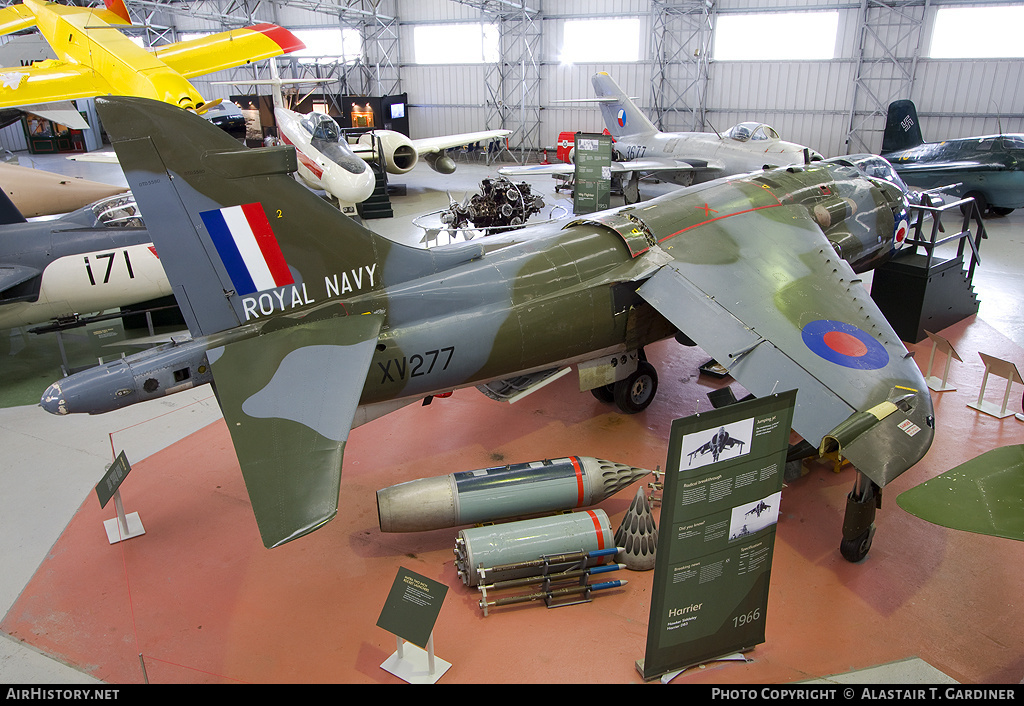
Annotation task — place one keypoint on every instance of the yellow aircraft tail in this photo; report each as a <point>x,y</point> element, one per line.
<point>118,8</point>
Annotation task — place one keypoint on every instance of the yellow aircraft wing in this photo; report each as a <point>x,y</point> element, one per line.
<point>95,58</point>
<point>225,50</point>
<point>48,80</point>
<point>15,18</point>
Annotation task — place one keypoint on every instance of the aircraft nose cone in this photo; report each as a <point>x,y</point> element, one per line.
<point>53,400</point>
<point>351,188</point>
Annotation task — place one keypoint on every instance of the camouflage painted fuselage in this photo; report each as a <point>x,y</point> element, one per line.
<point>313,324</point>
<point>565,293</point>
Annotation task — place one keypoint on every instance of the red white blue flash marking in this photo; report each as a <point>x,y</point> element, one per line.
<point>248,248</point>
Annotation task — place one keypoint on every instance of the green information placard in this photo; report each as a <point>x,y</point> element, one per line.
<point>720,506</point>
<point>593,176</point>
<point>112,479</point>
<point>412,607</point>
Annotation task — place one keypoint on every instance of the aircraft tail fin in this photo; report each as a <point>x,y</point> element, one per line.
<point>9,213</point>
<point>902,128</point>
<point>118,8</point>
<point>240,240</point>
<point>621,115</point>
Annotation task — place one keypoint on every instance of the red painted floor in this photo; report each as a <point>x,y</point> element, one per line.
<point>201,599</point>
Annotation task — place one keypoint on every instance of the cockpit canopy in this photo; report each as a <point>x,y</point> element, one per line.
<point>321,127</point>
<point>118,211</point>
<point>751,131</point>
<point>874,167</point>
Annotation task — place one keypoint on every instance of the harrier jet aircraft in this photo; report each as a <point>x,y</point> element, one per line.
<point>680,157</point>
<point>95,58</point>
<point>314,325</point>
<point>989,169</point>
<point>717,444</point>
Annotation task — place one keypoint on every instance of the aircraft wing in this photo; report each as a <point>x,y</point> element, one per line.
<point>289,399</point>
<point>766,295</point>
<point>426,145</point>
<point>646,165</point>
<point>951,167</point>
<point>225,50</point>
<point>13,275</point>
<point>40,82</point>
<point>62,112</point>
<point>15,18</point>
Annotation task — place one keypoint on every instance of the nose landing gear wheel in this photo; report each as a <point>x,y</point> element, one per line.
<point>636,392</point>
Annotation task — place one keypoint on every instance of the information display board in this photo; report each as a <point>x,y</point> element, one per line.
<point>112,479</point>
<point>412,607</point>
<point>720,506</point>
<point>593,175</point>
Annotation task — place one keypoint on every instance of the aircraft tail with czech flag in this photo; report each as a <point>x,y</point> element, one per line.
<point>621,115</point>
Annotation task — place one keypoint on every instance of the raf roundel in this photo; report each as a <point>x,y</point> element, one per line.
<point>844,344</point>
<point>901,230</point>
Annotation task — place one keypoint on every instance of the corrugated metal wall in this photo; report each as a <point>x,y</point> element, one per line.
<point>810,102</point>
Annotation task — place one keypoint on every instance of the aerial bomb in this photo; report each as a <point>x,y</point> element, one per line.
<point>502,492</point>
<point>479,548</point>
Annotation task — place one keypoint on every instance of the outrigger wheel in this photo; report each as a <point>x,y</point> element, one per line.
<point>635,392</point>
<point>858,524</point>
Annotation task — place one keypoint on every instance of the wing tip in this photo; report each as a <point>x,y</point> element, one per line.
<point>280,36</point>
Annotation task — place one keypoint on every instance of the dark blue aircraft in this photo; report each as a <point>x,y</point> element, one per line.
<point>989,168</point>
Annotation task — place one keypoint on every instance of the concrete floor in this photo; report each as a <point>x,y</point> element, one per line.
<point>205,601</point>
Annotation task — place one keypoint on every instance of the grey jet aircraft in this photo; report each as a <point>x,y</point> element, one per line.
<point>716,445</point>
<point>989,168</point>
<point>57,271</point>
<point>313,324</point>
<point>682,158</point>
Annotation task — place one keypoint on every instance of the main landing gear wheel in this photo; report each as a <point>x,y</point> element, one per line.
<point>636,392</point>
<point>858,524</point>
<point>980,202</point>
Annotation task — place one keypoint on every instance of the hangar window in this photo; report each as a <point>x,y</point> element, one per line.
<point>776,36</point>
<point>455,44</point>
<point>600,41</point>
<point>329,45</point>
<point>977,33</point>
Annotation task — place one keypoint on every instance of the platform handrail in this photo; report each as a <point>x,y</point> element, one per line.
<point>964,236</point>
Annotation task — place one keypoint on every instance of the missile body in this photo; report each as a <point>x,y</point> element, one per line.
<point>480,548</point>
<point>489,494</point>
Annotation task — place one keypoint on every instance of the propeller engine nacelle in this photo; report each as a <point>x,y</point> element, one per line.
<point>395,150</point>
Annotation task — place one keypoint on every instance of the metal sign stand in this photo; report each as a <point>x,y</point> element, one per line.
<point>940,343</point>
<point>415,665</point>
<point>123,526</point>
<point>999,368</point>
